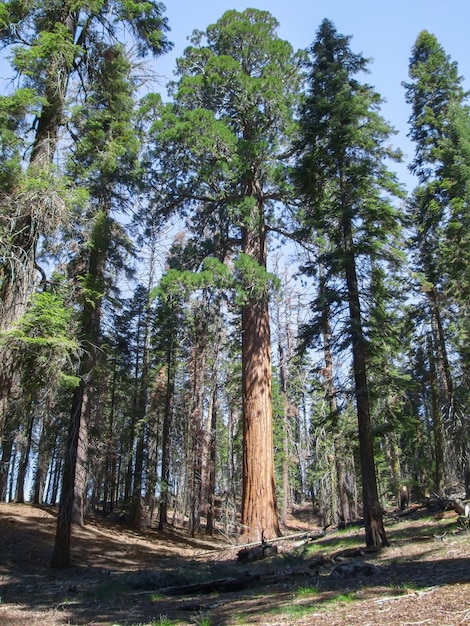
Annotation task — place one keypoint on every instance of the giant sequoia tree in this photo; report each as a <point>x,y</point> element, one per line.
<point>221,149</point>
<point>346,186</point>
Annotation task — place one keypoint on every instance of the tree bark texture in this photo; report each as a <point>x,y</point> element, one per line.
<point>259,516</point>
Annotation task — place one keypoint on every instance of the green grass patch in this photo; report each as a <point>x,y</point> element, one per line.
<point>333,544</point>
<point>306,592</point>
<point>296,610</point>
<point>342,598</point>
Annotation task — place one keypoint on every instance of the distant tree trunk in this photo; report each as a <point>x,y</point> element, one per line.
<point>24,460</point>
<point>373,516</point>
<point>55,470</point>
<point>285,433</point>
<point>196,430</point>
<point>140,410</point>
<point>44,451</point>
<point>211,461</point>
<point>167,419</point>
<point>210,435</point>
<point>7,450</point>
<point>259,516</point>
<point>344,513</point>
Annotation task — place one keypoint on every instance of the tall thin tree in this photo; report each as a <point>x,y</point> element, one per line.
<point>343,177</point>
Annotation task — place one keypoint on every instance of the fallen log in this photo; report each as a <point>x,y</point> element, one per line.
<point>211,586</point>
<point>232,584</point>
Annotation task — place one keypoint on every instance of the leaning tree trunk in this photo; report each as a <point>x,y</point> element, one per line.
<point>259,516</point>
<point>373,516</point>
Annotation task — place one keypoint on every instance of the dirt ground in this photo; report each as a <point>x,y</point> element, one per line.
<point>121,577</point>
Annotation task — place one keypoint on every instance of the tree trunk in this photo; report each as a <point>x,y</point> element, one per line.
<point>373,516</point>
<point>24,460</point>
<point>196,432</point>
<point>437,425</point>
<point>140,411</point>
<point>61,554</point>
<point>81,471</point>
<point>211,477</point>
<point>37,491</point>
<point>343,514</point>
<point>167,419</point>
<point>7,450</point>
<point>259,516</point>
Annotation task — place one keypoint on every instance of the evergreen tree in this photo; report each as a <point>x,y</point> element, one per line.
<point>222,144</point>
<point>50,43</point>
<point>104,161</point>
<point>343,178</point>
<point>439,128</point>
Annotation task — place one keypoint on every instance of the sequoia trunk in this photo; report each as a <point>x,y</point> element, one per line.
<point>259,507</point>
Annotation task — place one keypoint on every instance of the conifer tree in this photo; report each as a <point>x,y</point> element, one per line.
<point>50,43</point>
<point>343,178</point>
<point>439,128</point>
<point>222,144</point>
<point>104,161</point>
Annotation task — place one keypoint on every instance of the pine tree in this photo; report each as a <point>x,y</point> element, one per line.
<point>342,175</point>
<point>104,162</point>
<point>439,128</point>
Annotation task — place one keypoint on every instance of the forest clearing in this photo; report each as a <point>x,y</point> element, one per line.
<point>124,577</point>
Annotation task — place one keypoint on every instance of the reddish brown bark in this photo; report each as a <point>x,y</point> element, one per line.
<point>259,508</point>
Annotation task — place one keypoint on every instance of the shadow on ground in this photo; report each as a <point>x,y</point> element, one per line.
<point>121,576</point>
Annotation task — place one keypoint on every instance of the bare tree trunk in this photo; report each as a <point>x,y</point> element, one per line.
<point>140,410</point>
<point>196,432</point>
<point>437,425</point>
<point>24,460</point>
<point>373,516</point>
<point>211,477</point>
<point>259,516</point>
<point>167,419</point>
<point>61,555</point>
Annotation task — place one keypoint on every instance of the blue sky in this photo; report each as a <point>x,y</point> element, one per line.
<point>384,31</point>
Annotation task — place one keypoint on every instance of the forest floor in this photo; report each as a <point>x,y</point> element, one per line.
<point>121,577</point>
